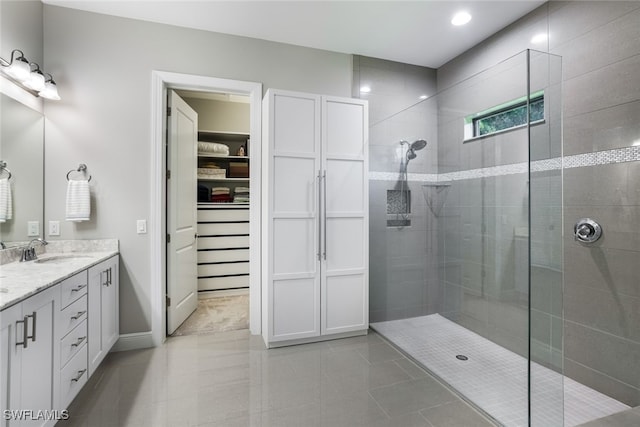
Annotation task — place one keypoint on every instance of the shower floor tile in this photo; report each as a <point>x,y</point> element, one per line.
<point>494,378</point>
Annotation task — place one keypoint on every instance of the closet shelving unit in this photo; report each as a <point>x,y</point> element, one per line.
<point>223,228</point>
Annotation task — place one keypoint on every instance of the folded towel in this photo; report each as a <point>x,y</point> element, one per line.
<point>239,190</point>
<point>6,203</point>
<point>78,200</point>
<point>213,148</point>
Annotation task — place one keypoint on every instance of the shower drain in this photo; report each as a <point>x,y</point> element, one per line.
<point>461,357</point>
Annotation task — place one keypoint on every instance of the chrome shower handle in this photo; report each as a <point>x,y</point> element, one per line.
<point>587,230</point>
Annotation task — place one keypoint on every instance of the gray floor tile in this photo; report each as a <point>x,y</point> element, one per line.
<point>455,414</point>
<point>230,379</point>
<point>411,396</point>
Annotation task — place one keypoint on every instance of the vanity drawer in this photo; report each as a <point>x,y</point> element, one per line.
<point>72,316</point>
<point>73,377</point>
<point>73,288</point>
<point>73,342</point>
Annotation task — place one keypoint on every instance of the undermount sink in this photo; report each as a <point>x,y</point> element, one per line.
<point>59,259</point>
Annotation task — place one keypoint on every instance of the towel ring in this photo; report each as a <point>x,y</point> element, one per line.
<point>81,168</point>
<point>3,167</point>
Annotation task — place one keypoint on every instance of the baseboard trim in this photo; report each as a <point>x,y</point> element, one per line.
<point>135,341</point>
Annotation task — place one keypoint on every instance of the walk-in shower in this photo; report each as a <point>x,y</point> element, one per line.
<point>473,290</point>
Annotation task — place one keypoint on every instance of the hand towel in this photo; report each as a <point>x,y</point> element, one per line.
<point>6,203</point>
<point>78,200</point>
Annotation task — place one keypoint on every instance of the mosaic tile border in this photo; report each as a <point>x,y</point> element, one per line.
<point>620,155</point>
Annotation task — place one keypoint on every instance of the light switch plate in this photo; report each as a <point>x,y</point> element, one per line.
<point>33,228</point>
<point>141,226</point>
<point>54,228</point>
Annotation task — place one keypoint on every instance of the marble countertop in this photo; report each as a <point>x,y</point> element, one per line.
<point>20,280</point>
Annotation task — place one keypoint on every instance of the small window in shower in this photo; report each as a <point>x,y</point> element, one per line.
<point>503,117</point>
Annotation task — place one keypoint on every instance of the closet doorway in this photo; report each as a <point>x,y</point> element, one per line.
<point>222,253</point>
<point>227,178</point>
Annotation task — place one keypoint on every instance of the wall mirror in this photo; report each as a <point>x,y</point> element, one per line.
<point>22,149</point>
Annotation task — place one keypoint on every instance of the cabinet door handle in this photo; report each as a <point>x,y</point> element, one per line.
<point>110,275</point>
<point>78,315</point>
<point>324,177</point>
<point>33,327</point>
<point>318,210</point>
<point>80,374</point>
<point>78,288</point>
<point>105,282</point>
<point>24,332</point>
<point>80,341</point>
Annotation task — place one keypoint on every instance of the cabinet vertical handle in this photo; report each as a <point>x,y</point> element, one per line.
<point>110,276</point>
<point>33,327</point>
<point>24,332</point>
<point>319,219</point>
<point>105,282</point>
<point>324,177</point>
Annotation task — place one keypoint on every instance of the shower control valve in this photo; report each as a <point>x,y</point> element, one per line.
<point>587,230</point>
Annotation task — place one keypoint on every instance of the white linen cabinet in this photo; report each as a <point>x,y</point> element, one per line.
<point>315,218</point>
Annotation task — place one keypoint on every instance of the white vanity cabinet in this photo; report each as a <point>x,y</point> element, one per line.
<point>30,358</point>
<point>315,229</point>
<point>73,336</point>
<point>52,341</point>
<point>103,311</point>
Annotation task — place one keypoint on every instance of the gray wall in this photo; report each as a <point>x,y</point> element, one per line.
<point>103,67</point>
<point>600,47</point>
<point>403,280</point>
<point>21,24</point>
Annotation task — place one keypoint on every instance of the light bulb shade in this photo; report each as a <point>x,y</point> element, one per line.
<point>36,81</point>
<point>50,91</point>
<point>19,69</point>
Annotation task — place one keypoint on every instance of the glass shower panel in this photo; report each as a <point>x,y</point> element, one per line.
<point>485,252</point>
<point>546,254</point>
<point>466,241</point>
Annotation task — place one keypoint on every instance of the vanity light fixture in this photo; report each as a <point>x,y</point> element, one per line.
<point>19,70</point>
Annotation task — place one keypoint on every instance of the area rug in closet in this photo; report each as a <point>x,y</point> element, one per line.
<point>217,314</point>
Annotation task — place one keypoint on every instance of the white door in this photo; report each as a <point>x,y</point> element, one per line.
<point>294,203</point>
<point>345,236</point>
<point>182,274</point>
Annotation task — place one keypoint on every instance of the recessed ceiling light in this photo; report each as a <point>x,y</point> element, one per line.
<point>539,38</point>
<point>365,89</point>
<point>461,18</point>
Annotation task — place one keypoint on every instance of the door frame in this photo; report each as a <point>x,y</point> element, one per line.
<point>160,82</point>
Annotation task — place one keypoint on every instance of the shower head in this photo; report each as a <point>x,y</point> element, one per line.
<point>418,145</point>
<point>413,147</point>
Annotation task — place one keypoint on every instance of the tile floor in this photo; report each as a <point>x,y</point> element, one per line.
<point>494,378</point>
<point>229,379</point>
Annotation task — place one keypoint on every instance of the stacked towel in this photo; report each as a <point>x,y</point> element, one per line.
<point>212,172</point>
<point>6,203</point>
<point>221,195</point>
<point>213,148</point>
<point>241,195</point>
<point>78,200</point>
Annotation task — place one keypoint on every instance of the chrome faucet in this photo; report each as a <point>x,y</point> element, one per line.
<point>2,245</point>
<point>29,253</point>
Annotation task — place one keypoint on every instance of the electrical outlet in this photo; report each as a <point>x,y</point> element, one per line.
<point>33,228</point>
<point>141,226</point>
<point>54,228</point>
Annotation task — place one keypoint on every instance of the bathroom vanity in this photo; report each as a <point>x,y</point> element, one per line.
<point>59,318</point>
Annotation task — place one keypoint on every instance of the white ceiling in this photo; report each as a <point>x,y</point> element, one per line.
<point>413,32</point>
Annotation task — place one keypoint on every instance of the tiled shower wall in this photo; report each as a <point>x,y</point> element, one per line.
<point>599,43</point>
<point>403,268</point>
